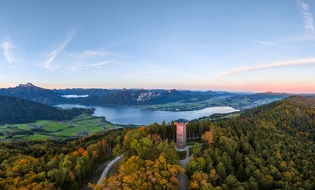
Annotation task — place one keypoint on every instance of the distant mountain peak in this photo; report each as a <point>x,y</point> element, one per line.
<point>27,85</point>
<point>28,91</point>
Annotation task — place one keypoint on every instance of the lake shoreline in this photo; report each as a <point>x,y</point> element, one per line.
<point>131,115</point>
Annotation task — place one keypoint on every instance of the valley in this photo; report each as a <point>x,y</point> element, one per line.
<point>67,130</point>
<point>157,95</point>
<point>155,99</point>
<point>270,145</point>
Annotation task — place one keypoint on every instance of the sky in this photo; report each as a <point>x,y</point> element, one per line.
<point>241,45</point>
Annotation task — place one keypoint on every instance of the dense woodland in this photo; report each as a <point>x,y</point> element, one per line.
<point>149,163</point>
<point>54,165</point>
<point>269,147</point>
<point>16,110</point>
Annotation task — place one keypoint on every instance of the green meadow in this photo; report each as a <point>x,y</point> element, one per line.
<point>80,126</point>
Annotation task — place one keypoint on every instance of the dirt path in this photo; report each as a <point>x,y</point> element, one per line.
<point>183,181</point>
<point>186,160</point>
<point>182,178</point>
<point>104,174</point>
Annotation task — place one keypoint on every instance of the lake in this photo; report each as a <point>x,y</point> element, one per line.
<point>138,116</point>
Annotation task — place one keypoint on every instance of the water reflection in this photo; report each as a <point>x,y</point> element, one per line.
<point>138,116</point>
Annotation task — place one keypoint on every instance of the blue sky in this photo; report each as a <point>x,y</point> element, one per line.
<point>239,45</point>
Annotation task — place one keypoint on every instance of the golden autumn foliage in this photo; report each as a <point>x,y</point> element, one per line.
<point>137,173</point>
<point>61,166</point>
<point>208,137</point>
<point>150,163</point>
<point>270,147</point>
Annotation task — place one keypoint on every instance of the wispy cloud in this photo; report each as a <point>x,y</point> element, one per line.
<point>91,53</point>
<point>88,59</point>
<point>53,54</point>
<point>269,44</point>
<point>88,54</point>
<point>306,14</point>
<point>296,62</point>
<point>308,37</point>
<point>7,52</point>
<point>97,65</point>
<point>76,60</point>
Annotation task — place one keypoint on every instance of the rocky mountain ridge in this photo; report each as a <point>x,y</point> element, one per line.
<point>139,97</point>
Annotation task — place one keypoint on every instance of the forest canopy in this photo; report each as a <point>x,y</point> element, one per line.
<point>269,147</point>
<point>15,110</point>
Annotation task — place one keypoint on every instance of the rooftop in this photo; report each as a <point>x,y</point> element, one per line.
<point>181,121</point>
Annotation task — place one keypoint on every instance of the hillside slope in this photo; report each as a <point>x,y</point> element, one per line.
<point>253,151</point>
<point>31,92</point>
<point>268,147</point>
<point>16,110</point>
<point>294,115</point>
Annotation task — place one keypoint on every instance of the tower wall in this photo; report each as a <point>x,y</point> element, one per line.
<point>180,134</point>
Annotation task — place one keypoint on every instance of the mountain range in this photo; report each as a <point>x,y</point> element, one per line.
<point>140,97</point>
<point>31,92</point>
<point>266,147</point>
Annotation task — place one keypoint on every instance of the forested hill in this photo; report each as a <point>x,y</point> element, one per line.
<point>15,110</point>
<point>264,148</point>
<point>31,92</point>
<point>294,115</point>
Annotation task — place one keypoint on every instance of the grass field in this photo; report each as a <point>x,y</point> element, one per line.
<point>185,106</point>
<point>239,103</point>
<point>82,125</point>
<point>37,137</point>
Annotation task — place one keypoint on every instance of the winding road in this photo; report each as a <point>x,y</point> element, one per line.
<point>106,170</point>
<point>183,179</point>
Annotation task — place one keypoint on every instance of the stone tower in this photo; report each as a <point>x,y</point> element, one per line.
<point>181,133</point>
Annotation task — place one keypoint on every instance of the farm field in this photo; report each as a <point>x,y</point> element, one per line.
<point>83,125</point>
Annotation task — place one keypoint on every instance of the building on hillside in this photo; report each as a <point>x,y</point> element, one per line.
<point>181,133</point>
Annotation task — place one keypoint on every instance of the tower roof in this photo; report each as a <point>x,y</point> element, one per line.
<point>181,121</point>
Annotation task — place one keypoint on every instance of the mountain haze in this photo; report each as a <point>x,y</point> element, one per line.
<point>267,147</point>
<point>159,99</point>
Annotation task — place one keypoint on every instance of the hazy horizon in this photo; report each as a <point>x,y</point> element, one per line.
<point>180,89</point>
<point>235,46</point>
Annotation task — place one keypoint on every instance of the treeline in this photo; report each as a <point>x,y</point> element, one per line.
<point>15,110</point>
<point>294,115</point>
<point>270,147</point>
<point>241,155</point>
<point>148,163</point>
<point>237,154</point>
<point>252,151</point>
<point>52,165</point>
<point>167,131</point>
<point>67,165</point>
